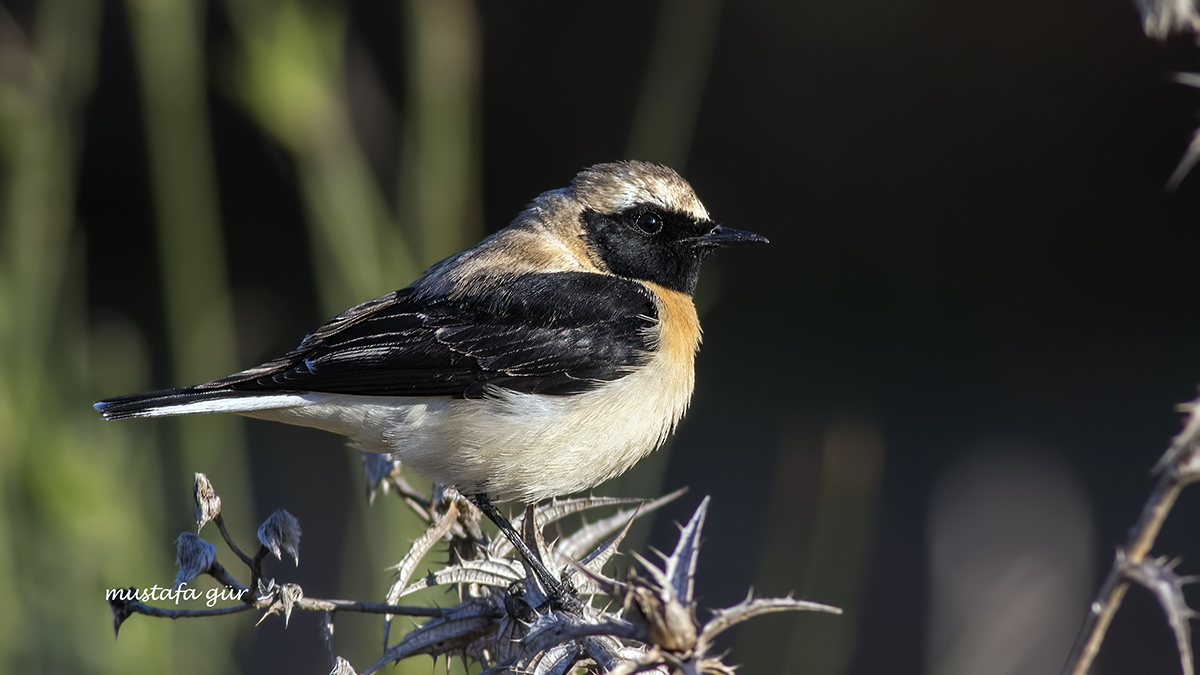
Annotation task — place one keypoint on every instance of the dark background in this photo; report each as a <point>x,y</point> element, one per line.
<point>970,240</point>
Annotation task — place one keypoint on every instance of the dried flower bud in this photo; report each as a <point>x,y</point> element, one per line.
<point>376,466</point>
<point>206,501</point>
<point>289,594</point>
<point>119,604</point>
<point>266,588</point>
<point>670,624</point>
<point>281,531</point>
<point>283,598</point>
<point>194,556</point>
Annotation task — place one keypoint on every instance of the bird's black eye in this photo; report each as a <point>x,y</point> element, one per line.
<point>650,222</point>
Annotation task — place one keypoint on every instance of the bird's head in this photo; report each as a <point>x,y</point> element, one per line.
<point>643,221</point>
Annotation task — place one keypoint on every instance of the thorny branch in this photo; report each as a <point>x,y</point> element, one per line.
<point>278,534</point>
<point>311,604</point>
<point>503,621</point>
<point>1178,468</point>
<point>1160,20</point>
<point>1180,465</point>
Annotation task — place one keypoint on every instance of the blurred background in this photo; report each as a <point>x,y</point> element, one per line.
<point>933,400</point>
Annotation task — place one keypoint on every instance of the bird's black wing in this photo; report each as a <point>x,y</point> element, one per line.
<point>556,334</point>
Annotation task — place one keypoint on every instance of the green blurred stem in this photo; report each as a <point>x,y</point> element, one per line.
<point>40,113</point>
<point>359,252</point>
<point>290,74</point>
<point>673,87</point>
<point>440,176</point>
<point>185,195</point>
<point>820,531</point>
<point>851,469</point>
<point>39,108</point>
<point>61,472</point>
<point>167,39</point>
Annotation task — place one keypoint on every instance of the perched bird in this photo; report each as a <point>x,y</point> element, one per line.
<point>544,360</point>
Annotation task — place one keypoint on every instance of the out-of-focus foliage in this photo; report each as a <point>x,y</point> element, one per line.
<point>81,499</point>
<point>289,74</point>
<point>168,50</point>
<point>79,503</point>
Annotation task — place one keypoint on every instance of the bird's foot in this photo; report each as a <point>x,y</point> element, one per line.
<point>562,595</point>
<point>559,595</point>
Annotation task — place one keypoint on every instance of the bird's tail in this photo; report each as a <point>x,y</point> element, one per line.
<point>190,400</point>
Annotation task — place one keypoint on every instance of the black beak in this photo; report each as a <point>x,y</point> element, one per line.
<point>727,236</point>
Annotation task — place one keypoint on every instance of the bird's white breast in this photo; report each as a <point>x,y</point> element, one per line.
<point>526,447</point>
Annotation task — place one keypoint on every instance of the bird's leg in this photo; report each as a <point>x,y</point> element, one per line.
<point>559,596</point>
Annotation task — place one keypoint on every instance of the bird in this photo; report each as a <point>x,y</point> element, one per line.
<point>550,357</point>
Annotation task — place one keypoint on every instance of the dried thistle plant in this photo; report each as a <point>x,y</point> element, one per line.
<point>1178,468</point>
<point>650,622</point>
<point>1160,20</point>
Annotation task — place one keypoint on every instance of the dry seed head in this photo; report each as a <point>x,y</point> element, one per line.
<point>194,556</point>
<point>206,501</point>
<point>281,531</point>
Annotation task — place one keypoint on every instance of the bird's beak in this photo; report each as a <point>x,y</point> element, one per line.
<point>727,236</point>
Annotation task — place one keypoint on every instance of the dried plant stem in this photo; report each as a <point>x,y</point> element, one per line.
<point>141,608</point>
<point>223,576</point>
<point>229,541</point>
<point>256,566</point>
<point>1179,467</point>
<point>1112,592</point>
<point>367,607</point>
<point>312,604</point>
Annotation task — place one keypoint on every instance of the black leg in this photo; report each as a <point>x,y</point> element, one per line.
<point>558,595</point>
